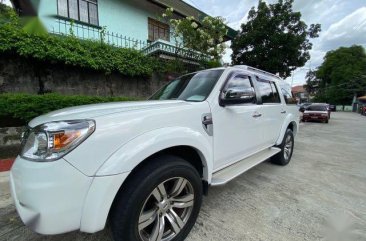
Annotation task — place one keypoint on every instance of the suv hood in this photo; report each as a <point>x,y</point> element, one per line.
<point>95,110</point>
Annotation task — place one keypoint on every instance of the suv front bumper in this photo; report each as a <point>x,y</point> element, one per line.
<point>49,196</point>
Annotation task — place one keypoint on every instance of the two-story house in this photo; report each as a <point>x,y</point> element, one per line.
<point>123,23</point>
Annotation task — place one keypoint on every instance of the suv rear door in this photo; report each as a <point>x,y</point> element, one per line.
<point>272,110</point>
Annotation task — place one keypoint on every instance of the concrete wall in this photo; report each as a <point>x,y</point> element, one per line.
<point>19,75</point>
<point>344,108</point>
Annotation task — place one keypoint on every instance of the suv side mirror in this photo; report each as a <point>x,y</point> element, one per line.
<point>232,96</point>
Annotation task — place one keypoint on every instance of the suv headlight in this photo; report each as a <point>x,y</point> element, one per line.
<point>53,140</point>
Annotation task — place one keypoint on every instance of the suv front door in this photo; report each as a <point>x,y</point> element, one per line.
<point>236,128</point>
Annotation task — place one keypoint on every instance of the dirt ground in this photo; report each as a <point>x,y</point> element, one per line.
<point>320,195</point>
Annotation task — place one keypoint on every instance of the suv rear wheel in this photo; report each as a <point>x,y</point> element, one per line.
<point>287,146</point>
<point>159,202</point>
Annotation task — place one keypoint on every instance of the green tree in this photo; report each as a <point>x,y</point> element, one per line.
<point>312,82</point>
<point>205,36</point>
<point>274,39</point>
<point>7,14</point>
<point>342,75</point>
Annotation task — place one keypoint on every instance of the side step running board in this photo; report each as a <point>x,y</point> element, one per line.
<point>229,173</point>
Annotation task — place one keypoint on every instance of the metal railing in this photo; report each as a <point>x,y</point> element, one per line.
<point>65,27</point>
<point>83,31</point>
<point>167,48</point>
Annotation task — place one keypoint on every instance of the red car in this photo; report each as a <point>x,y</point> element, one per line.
<point>316,113</point>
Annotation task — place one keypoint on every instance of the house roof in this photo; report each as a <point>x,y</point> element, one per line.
<point>298,89</point>
<point>184,9</point>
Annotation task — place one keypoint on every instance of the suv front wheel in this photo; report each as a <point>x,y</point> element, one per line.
<point>159,202</point>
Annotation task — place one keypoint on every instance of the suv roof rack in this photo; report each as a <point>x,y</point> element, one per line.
<point>246,67</point>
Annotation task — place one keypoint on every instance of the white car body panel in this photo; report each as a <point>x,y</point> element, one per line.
<point>99,201</point>
<point>51,201</point>
<point>114,131</point>
<point>243,132</point>
<point>137,150</point>
<point>97,110</point>
<point>77,191</point>
<point>290,118</point>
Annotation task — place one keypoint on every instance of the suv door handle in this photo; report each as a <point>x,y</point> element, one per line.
<point>257,115</point>
<point>283,112</point>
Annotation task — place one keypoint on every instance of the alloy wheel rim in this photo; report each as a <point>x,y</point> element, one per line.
<point>166,210</point>
<point>288,148</point>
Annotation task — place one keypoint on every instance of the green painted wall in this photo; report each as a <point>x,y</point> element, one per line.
<point>124,17</point>
<point>46,10</point>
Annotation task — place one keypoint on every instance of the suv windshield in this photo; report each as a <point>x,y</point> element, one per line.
<point>317,108</point>
<point>190,87</point>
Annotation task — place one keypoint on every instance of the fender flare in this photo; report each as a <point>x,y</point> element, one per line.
<point>288,120</point>
<point>127,157</point>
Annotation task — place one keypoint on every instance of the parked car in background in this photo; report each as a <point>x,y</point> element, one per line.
<point>145,165</point>
<point>327,106</point>
<point>303,106</point>
<point>316,112</point>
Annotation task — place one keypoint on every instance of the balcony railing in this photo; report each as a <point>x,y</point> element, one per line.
<point>161,48</point>
<point>167,49</point>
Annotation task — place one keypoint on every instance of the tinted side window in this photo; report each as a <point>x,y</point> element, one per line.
<point>239,82</point>
<point>265,90</point>
<point>288,97</point>
<point>286,94</point>
<point>268,92</point>
<point>276,96</point>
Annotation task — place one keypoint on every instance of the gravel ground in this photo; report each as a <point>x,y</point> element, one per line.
<point>320,195</point>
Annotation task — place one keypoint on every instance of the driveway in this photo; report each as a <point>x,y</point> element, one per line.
<point>320,195</point>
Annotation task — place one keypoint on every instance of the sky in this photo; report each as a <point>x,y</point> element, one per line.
<point>343,24</point>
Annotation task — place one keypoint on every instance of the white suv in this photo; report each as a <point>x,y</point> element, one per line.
<point>145,165</point>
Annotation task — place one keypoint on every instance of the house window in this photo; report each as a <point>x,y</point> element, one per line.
<point>158,30</point>
<point>82,10</point>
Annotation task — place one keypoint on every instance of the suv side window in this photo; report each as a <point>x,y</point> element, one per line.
<point>240,82</point>
<point>268,92</point>
<point>288,97</point>
<point>276,96</point>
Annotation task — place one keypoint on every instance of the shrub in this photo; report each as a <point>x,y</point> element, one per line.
<point>47,48</point>
<point>70,50</point>
<point>18,109</point>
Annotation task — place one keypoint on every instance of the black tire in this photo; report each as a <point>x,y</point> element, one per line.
<point>136,193</point>
<point>280,158</point>
<point>327,121</point>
